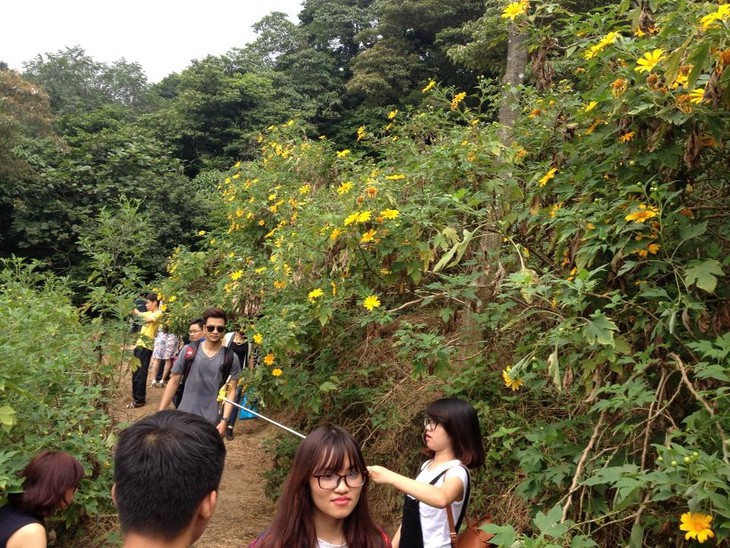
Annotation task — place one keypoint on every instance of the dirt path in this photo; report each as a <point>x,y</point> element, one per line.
<point>243,510</point>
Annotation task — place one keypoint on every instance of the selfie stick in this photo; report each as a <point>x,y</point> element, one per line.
<point>265,418</point>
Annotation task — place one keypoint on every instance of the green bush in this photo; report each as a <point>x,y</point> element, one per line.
<point>55,389</point>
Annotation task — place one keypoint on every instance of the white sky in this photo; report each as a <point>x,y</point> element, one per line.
<point>161,35</point>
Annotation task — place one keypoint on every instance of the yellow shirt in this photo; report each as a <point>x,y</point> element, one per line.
<point>149,328</point>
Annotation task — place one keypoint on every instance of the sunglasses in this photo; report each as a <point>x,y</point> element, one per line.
<point>216,328</point>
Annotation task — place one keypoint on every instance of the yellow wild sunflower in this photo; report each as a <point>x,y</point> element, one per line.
<point>511,382</point>
<point>697,526</point>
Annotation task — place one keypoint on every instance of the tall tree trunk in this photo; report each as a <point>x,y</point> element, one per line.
<point>514,76</point>
<point>490,241</point>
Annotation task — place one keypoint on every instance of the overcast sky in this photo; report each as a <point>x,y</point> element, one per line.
<point>161,35</point>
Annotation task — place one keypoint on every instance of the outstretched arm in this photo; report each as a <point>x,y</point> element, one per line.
<point>451,490</point>
<point>170,390</point>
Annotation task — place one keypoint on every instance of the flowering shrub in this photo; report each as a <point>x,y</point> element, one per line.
<point>570,279</point>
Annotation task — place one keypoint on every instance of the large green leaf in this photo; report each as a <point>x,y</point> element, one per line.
<point>599,329</point>
<point>704,274</point>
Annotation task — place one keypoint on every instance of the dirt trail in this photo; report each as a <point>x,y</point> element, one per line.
<point>243,510</point>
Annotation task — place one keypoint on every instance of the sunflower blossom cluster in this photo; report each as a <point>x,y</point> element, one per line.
<point>604,42</point>
<point>458,98</point>
<point>314,295</point>
<point>357,217</point>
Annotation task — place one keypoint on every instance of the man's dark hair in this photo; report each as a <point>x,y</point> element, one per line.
<point>153,297</point>
<point>214,313</point>
<point>164,466</point>
<point>197,321</point>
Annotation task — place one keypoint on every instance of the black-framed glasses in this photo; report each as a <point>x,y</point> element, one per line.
<point>330,481</point>
<point>194,330</point>
<point>216,328</point>
<point>429,423</point>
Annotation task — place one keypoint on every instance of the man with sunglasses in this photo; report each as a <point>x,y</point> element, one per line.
<point>206,374</point>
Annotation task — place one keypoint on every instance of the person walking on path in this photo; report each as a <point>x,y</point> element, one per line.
<point>165,348</point>
<point>453,443</point>
<point>143,348</point>
<point>237,341</point>
<point>206,374</point>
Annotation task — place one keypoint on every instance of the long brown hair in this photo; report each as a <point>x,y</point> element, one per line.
<point>326,448</point>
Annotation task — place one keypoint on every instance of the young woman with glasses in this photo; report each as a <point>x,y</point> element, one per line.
<point>50,483</point>
<point>324,500</point>
<point>453,444</point>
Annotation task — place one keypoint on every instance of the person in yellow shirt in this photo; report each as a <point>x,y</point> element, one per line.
<point>143,350</point>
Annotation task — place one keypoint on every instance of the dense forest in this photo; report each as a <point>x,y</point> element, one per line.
<point>521,204</point>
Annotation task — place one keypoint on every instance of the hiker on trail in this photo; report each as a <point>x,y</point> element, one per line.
<point>139,304</point>
<point>143,349</point>
<point>165,348</point>
<point>453,443</point>
<point>153,458</point>
<point>51,481</point>
<point>237,341</point>
<point>196,331</point>
<point>324,501</point>
<point>207,366</point>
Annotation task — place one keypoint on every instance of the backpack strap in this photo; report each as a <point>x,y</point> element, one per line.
<point>227,365</point>
<point>191,349</point>
<point>466,497</point>
<point>453,528</point>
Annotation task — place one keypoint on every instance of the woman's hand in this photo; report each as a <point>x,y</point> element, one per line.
<point>379,474</point>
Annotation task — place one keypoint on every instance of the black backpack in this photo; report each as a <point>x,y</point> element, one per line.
<point>190,351</point>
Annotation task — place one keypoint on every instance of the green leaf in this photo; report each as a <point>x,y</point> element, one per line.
<point>704,274</point>
<point>712,371</point>
<point>446,314</point>
<point>628,265</point>
<point>697,61</point>
<point>693,231</point>
<point>599,329</point>
<point>504,535</point>
<point>550,524</point>
<point>7,416</point>
<point>637,535</point>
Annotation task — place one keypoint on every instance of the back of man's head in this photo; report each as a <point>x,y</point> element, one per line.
<point>165,466</point>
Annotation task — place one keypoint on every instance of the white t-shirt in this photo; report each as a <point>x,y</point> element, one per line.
<point>434,525</point>
<point>324,544</point>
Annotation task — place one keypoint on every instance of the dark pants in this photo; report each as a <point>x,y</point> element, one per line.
<point>236,410</point>
<point>139,377</point>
